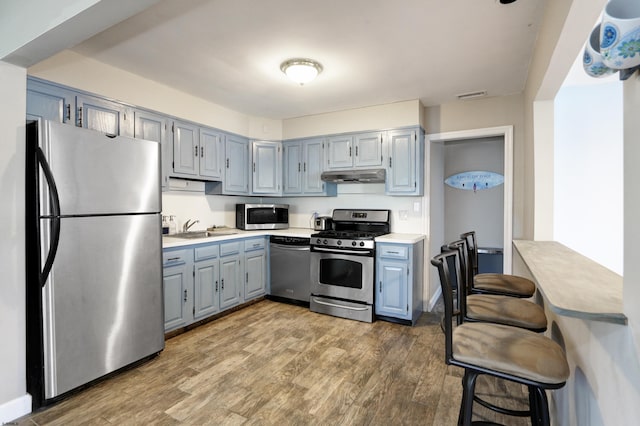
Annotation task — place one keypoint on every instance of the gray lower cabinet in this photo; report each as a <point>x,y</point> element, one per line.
<point>231,274</point>
<point>177,281</point>
<point>206,281</point>
<point>399,281</point>
<point>255,264</point>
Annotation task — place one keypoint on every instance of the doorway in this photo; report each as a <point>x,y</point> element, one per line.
<point>442,223</point>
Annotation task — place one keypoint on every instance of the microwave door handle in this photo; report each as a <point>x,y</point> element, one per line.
<point>55,216</point>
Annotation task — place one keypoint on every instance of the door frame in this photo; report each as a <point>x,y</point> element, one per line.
<point>432,222</point>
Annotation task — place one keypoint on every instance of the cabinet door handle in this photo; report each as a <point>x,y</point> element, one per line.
<point>222,283</point>
<point>185,294</point>
<point>389,161</point>
<point>380,286</point>
<point>201,151</point>
<point>79,116</point>
<point>349,151</point>
<point>305,166</point>
<point>356,151</point>
<point>247,278</point>
<point>68,112</point>
<point>216,286</point>
<point>227,163</point>
<point>298,166</point>
<point>196,151</point>
<point>254,167</point>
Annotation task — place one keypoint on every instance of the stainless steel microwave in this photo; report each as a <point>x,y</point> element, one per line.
<point>262,216</point>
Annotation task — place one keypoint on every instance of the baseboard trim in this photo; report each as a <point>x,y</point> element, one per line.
<point>434,299</point>
<point>15,409</point>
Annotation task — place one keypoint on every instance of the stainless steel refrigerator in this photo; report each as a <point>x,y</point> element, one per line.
<point>93,256</point>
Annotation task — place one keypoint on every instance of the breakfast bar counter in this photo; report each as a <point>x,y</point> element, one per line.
<point>571,283</point>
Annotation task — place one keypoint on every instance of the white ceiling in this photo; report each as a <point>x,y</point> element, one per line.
<point>373,51</point>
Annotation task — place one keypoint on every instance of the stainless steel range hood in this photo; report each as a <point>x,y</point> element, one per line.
<point>355,176</point>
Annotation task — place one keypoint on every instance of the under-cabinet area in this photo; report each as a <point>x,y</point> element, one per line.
<point>217,274</point>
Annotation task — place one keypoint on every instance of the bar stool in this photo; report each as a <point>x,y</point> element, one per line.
<point>501,284</point>
<point>509,353</point>
<point>489,307</point>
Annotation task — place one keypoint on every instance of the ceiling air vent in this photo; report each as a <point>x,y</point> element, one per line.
<point>471,95</point>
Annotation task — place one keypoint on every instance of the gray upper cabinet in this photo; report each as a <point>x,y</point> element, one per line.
<point>292,167</point>
<point>153,127</point>
<point>303,165</point>
<point>340,152</point>
<point>369,149</point>
<point>266,168</point>
<point>186,149</point>
<point>405,167</point>
<point>236,176</point>
<point>197,152</point>
<point>104,116</point>
<point>312,161</point>
<point>50,102</point>
<point>211,153</point>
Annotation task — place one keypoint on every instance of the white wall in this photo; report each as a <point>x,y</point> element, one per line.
<point>379,117</point>
<point>14,401</point>
<point>588,184</point>
<point>80,72</point>
<point>483,210</point>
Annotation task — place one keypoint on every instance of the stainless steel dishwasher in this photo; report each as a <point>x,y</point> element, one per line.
<point>290,269</point>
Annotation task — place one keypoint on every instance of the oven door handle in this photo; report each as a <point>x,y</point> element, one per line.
<point>333,305</point>
<point>347,251</point>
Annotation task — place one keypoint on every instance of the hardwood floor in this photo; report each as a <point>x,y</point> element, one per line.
<point>273,363</point>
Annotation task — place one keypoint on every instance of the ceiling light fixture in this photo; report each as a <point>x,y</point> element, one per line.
<point>301,70</point>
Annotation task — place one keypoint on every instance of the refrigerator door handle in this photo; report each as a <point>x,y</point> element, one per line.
<point>55,216</point>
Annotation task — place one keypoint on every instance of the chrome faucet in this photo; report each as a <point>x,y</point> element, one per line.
<point>188,224</point>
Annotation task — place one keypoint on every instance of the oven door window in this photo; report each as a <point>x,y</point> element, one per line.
<point>341,272</point>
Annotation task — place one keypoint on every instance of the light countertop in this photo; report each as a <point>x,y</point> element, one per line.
<point>171,242</point>
<point>573,284</point>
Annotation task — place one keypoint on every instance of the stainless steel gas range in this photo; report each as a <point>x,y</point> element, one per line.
<point>343,263</point>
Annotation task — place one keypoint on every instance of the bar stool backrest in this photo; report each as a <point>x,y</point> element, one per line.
<point>444,262</point>
<point>472,249</point>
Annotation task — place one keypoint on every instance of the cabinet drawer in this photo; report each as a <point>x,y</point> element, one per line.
<point>175,257</point>
<point>254,244</point>
<point>394,252</point>
<point>207,252</point>
<point>230,248</point>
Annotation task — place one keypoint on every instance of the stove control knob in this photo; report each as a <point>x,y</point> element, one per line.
<point>324,242</point>
<point>353,243</point>
<point>361,243</point>
<point>318,241</point>
<point>339,242</point>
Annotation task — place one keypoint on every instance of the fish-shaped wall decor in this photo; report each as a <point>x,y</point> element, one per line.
<point>475,180</point>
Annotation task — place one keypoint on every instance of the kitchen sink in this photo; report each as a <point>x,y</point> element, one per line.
<point>200,234</point>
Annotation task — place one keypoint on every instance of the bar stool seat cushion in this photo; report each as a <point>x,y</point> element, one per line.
<point>503,282</point>
<point>505,310</point>
<point>510,350</point>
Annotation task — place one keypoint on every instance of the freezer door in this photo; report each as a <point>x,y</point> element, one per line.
<point>97,174</point>
<point>102,303</point>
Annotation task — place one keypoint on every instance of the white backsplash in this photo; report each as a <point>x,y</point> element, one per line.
<point>218,210</point>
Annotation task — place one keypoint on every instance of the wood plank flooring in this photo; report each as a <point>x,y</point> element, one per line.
<point>274,363</point>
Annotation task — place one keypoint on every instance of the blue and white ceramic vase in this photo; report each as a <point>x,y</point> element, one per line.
<point>620,34</point>
<point>591,59</point>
